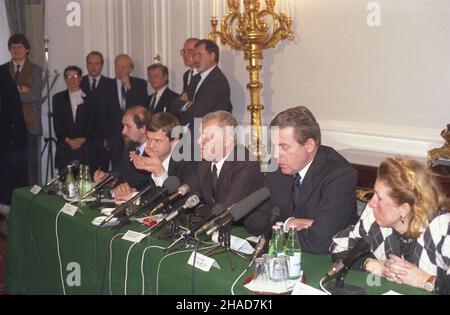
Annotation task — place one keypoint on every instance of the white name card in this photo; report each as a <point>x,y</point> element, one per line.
<point>134,237</point>
<point>69,209</point>
<point>203,262</point>
<point>36,189</point>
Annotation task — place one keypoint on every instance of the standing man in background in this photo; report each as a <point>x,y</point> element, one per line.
<point>13,140</point>
<point>128,92</point>
<point>98,88</point>
<point>28,78</point>
<point>161,99</point>
<point>212,92</point>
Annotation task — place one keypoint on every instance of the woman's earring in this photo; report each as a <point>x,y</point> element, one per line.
<point>402,219</point>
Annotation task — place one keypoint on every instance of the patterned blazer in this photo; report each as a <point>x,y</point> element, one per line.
<point>430,252</point>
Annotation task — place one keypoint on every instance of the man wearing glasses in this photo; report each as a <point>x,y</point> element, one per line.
<point>212,92</point>
<point>72,121</point>
<point>188,57</point>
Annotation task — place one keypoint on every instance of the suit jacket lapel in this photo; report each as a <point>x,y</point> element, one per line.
<point>311,178</point>
<point>69,110</point>
<point>207,80</point>
<point>205,179</point>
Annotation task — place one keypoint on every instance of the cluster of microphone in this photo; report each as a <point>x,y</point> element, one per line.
<point>172,199</point>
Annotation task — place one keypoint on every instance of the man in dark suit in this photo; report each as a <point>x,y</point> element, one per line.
<point>73,121</point>
<point>314,186</point>
<point>159,162</point>
<point>128,92</point>
<point>134,131</point>
<point>13,140</point>
<point>98,88</point>
<point>161,99</point>
<point>28,78</point>
<point>188,58</point>
<point>227,172</point>
<point>212,92</point>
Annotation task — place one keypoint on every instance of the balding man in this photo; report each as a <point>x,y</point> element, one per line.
<point>129,91</point>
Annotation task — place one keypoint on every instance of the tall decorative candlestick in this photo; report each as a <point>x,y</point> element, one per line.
<point>248,28</point>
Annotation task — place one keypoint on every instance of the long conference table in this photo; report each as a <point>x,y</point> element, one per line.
<point>50,252</point>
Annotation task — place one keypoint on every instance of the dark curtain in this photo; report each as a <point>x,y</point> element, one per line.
<point>15,11</point>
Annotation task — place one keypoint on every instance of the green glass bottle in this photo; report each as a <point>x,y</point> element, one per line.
<point>71,185</point>
<point>274,244</point>
<point>294,254</point>
<point>282,238</point>
<point>87,179</point>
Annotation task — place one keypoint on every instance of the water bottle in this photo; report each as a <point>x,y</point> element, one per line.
<point>87,179</point>
<point>274,245</point>
<point>71,186</point>
<point>282,238</point>
<point>80,180</point>
<point>294,254</point>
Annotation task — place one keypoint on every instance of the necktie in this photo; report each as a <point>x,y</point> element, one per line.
<point>192,88</point>
<point>124,97</point>
<point>191,74</point>
<point>94,81</point>
<point>153,103</point>
<point>16,78</point>
<point>295,194</point>
<point>214,179</point>
<point>138,151</point>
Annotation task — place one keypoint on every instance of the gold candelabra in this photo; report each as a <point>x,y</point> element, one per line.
<point>253,30</point>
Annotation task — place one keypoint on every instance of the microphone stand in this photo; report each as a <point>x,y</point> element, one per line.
<point>49,141</point>
<point>342,288</point>
<point>172,232</point>
<point>224,245</point>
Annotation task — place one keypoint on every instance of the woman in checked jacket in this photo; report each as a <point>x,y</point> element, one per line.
<point>408,226</point>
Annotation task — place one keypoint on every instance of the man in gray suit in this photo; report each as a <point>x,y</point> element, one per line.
<point>28,78</point>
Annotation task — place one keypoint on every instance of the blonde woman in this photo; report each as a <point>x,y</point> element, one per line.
<point>407,198</point>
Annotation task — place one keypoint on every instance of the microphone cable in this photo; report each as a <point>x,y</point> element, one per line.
<point>322,286</point>
<point>142,267</point>
<point>240,276</point>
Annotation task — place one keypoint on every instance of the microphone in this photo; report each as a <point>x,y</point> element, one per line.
<point>206,223</point>
<point>240,209</point>
<point>362,247</point>
<point>62,173</point>
<point>190,203</point>
<point>105,181</point>
<point>274,215</point>
<point>170,185</point>
<point>182,191</point>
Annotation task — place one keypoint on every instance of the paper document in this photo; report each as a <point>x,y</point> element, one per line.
<point>236,243</point>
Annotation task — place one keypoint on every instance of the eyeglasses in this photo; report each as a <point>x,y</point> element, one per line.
<point>200,54</point>
<point>72,76</point>
<point>186,52</point>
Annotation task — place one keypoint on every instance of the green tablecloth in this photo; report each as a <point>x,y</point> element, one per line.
<point>34,266</point>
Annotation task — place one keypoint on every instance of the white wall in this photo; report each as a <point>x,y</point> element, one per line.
<point>380,88</point>
<point>4,34</point>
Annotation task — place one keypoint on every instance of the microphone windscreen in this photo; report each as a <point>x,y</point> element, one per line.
<point>243,207</point>
<point>218,209</point>
<point>171,184</point>
<point>361,248</point>
<point>192,202</point>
